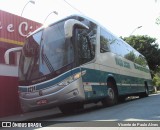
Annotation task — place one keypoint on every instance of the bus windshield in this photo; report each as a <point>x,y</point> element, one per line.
<point>46,53</point>
<point>49,53</point>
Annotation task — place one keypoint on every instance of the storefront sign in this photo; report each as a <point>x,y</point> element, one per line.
<point>15,28</point>
<point>23,28</point>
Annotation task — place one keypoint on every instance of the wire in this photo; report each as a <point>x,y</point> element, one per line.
<point>73,7</point>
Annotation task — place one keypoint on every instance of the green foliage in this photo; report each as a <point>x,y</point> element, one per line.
<point>148,47</point>
<point>156,80</point>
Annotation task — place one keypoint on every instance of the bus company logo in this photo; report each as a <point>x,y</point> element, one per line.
<point>6,124</point>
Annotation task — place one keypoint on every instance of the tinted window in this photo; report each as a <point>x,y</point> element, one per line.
<point>107,42</point>
<point>104,41</point>
<point>86,41</point>
<point>56,51</point>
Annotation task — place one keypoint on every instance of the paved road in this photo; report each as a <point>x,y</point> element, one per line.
<point>134,110</point>
<point>145,109</point>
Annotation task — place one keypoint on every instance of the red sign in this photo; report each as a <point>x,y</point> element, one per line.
<point>15,28</point>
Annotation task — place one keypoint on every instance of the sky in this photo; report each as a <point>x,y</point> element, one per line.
<point>121,17</point>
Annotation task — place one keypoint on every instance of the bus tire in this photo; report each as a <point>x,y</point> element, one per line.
<point>146,93</point>
<point>112,97</point>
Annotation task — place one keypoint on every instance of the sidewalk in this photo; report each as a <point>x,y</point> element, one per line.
<point>31,115</point>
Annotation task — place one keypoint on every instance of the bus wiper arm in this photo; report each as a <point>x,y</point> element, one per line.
<point>48,63</point>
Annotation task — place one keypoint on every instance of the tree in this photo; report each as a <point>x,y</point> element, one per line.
<point>156,80</point>
<point>148,47</point>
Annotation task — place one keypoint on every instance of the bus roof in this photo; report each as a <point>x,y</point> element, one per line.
<point>74,15</point>
<point>86,17</point>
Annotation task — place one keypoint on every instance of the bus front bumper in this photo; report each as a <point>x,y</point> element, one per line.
<point>52,97</point>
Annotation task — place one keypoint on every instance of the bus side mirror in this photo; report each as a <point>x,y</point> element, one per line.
<point>7,53</point>
<point>69,26</point>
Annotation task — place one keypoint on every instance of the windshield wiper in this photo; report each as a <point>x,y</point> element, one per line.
<point>48,63</point>
<point>46,60</point>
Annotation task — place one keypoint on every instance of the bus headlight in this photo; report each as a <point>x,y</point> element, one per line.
<point>77,76</point>
<point>70,79</point>
<point>66,81</point>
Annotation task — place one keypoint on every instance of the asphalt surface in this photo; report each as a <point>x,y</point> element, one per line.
<point>133,110</point>
<point>142,111</point>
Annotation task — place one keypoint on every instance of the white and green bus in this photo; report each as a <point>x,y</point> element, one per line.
<point>76,61</point>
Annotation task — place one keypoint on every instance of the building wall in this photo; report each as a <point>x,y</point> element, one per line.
<point>13,30</point>
<point>9,101</point>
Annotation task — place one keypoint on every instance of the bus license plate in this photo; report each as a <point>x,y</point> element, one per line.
<point>41,102</point>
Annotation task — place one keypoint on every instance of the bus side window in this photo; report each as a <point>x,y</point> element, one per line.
<point>104,41</point>
<point>83,46</point>
<point>113,47</point>
<point>86,46</point>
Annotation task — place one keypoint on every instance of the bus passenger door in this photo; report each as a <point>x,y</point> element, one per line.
<point>75,33</point>
<point>85,42</point>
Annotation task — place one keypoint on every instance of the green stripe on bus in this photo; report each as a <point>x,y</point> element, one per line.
<point>125,84</point>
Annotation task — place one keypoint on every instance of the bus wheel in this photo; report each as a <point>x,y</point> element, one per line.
<point>112,95</point>
<point>146,93</point>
